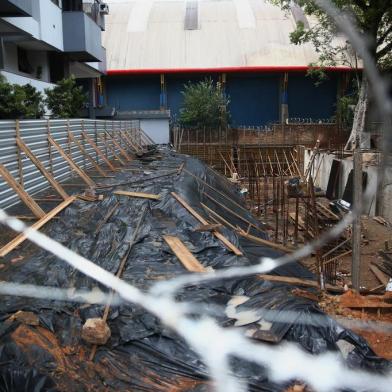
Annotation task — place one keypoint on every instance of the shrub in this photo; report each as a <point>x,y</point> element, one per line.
<point>66,100</point>
<point>205,106</point>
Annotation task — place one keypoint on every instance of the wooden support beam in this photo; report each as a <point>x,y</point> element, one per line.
<point>138,194</point>
<point>203,221</point>
<point>24,196</point>
<point>86,154</point>
<point>112,149</point>
<point>71,163</point>
<point>59,189</point>
<point>185,256</point>
<point>129,141</point>
<point>98,151</point>
<point>122,151</point>
<point>379,274</point>
<point>37,225</point>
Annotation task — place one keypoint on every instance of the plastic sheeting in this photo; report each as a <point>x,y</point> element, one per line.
<point>142,354</point>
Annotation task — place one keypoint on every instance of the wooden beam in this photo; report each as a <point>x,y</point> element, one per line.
<point>203,221</point>
<point>138,194</point>
<point>71,163</point>
<point>59,189</point>
<point>185,256</point>
<point>379,274</point>
<point>299,282</point>
<point>86,154</point>
<point>24,196</point>
<point>98,151</point>
<point>262,241</point>
<point>122,151</point>
<point>37,225</point>
<point>112,149</point>
<point>130,142</point>
<point>211,227</point>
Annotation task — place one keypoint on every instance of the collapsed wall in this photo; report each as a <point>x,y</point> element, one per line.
<point>142,354</point>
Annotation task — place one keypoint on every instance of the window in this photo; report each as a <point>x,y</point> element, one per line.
<point>23,61</point>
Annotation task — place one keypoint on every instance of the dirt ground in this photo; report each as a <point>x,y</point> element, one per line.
<point>369,316</point>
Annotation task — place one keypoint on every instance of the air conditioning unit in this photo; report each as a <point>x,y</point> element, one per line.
<point>104,9</point>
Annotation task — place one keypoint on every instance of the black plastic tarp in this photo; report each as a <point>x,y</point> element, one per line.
<point>142,354</point>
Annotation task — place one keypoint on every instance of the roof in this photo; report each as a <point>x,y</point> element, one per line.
<point>177,35</point>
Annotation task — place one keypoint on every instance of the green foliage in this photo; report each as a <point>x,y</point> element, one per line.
<point>19,102</point>
<point>373,19</point>
<point>205,106</point>
<point>66,100</point>
<point>345,109</point>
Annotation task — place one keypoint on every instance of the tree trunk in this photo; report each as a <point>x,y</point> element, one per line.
<point>355,138</point>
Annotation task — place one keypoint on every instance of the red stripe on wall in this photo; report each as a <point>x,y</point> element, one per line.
<point>244,69</point>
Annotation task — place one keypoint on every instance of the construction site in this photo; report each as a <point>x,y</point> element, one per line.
<point>139,254</point>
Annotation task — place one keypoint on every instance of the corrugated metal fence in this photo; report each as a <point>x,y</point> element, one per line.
<point>34,133</point>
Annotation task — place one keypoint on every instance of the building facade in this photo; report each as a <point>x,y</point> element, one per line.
<point>44,41</point>
<point>155,47</point>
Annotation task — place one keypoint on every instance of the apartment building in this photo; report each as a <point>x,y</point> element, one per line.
<point>43,41</point>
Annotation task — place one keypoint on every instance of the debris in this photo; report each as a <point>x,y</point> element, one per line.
<point>27,318</point>
<point>96,331</point>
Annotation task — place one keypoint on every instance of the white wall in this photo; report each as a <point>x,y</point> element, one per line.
<point>22,80</point>
<point>323,164</point>
<point>45,25</point>
<point>157,129</point>
<point>36,58</point>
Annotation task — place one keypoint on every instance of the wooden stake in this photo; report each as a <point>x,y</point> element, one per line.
<point>37,225</point>
<point>24,196</point>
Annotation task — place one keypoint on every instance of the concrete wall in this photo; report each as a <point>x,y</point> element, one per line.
<point>37,58</point>
<point>44,25</point>
<point>157,129</point>
<point>323,164</point>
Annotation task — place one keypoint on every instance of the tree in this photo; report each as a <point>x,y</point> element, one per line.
<point>205,106</point>
<point>19,102</point>
<point>66,100</point>
<point>373,19</point>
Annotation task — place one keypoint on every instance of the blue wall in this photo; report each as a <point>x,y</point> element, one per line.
<point>306,100</point>
<point>254,98</point>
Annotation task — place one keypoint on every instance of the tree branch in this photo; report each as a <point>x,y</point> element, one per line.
<point>384,36</point>
<point>385,50</point>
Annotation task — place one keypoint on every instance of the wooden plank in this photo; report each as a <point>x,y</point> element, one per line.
<point>98,151</point>
<point>122,151</point>
<point>37,225</point>
<point>59,189</point>
<point>216,233</point>
<point>262,241</point>
<point>299,282</point>
<point>379,274</point>
<point>211,227</point>
<point>138,194</point>
<point>185,256</point>
<point>71,163</point>
<point>24,196</point>
<point>86,154</point>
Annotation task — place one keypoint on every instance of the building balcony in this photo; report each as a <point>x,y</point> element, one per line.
<point>82,37</point>
<point>15,8</point>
